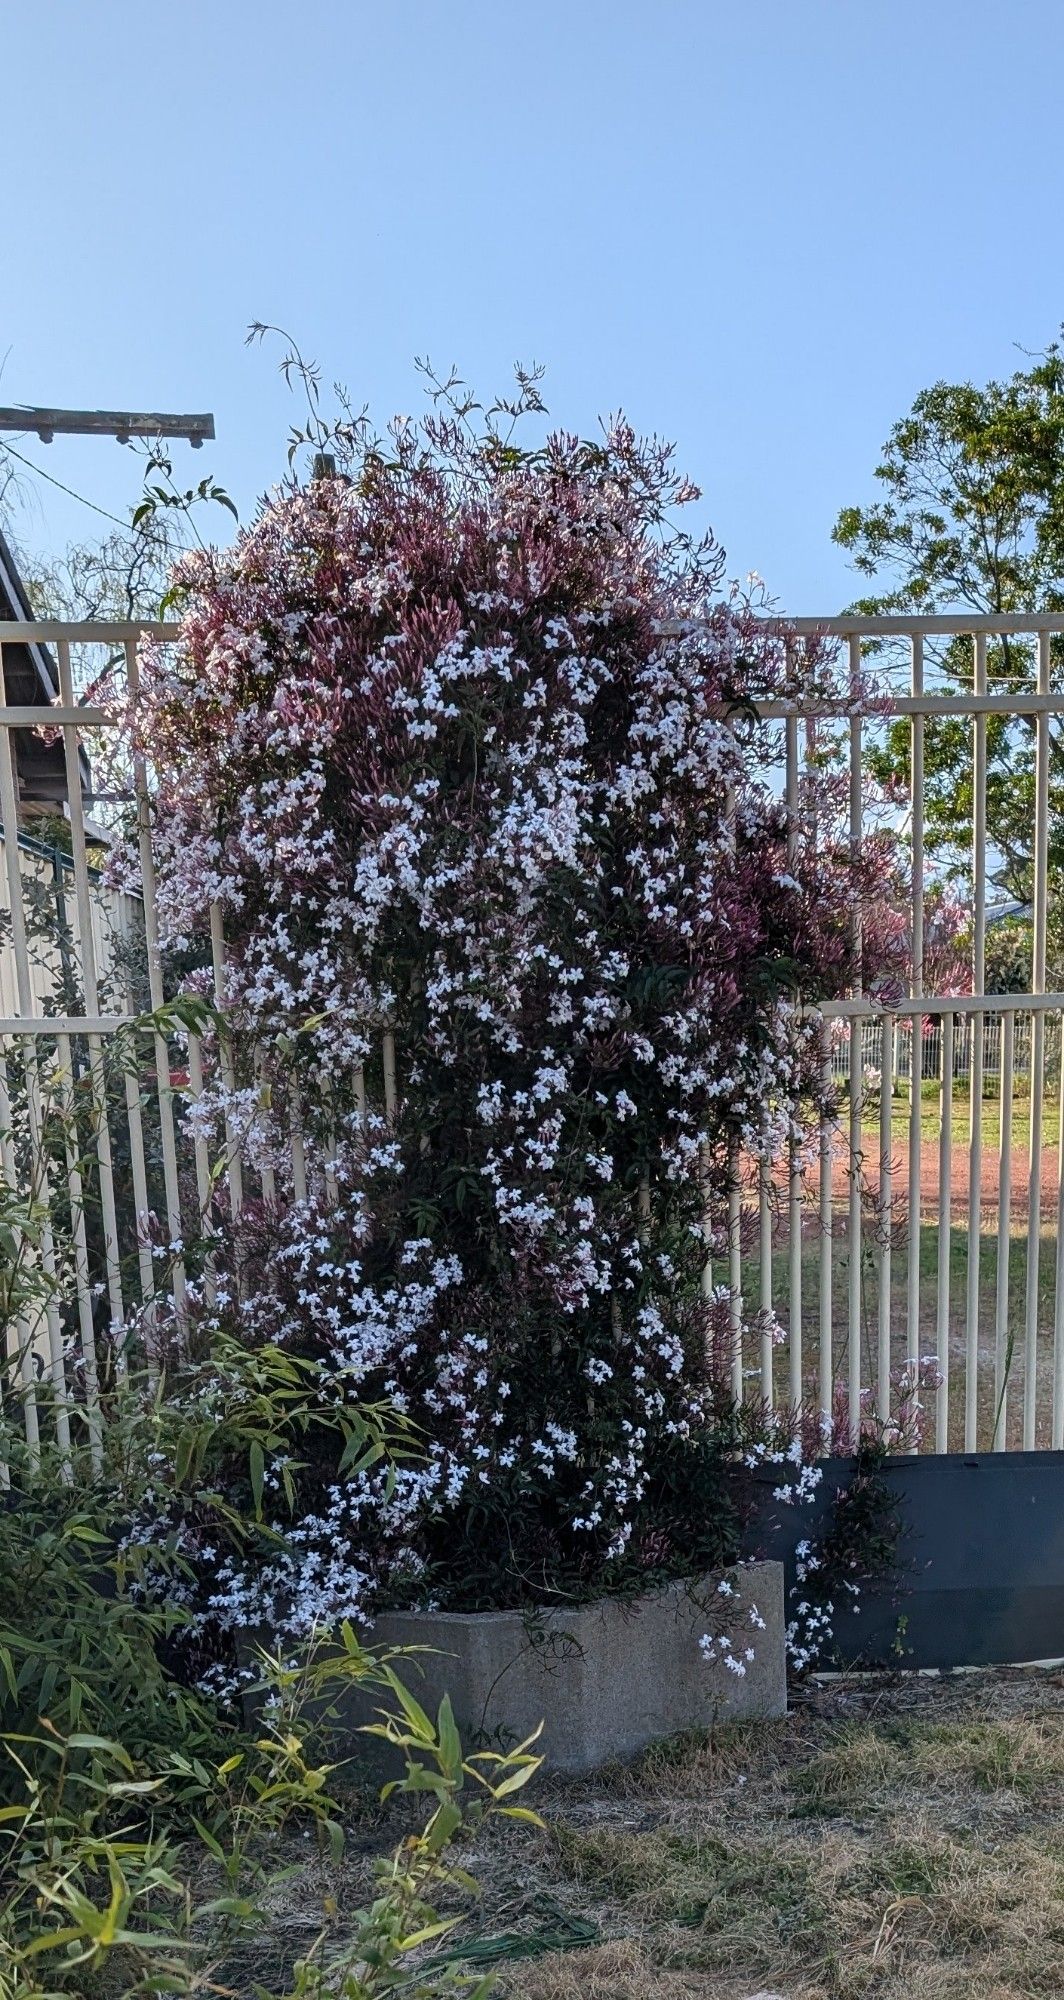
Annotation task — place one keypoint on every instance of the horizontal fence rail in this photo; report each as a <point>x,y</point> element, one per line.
<point>904,1259</point>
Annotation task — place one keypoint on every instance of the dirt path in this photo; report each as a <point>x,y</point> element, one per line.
<point>959,1177</point>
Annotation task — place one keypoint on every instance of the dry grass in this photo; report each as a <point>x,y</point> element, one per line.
<point>901,1843</point>
<point>888,1841</point>
<point>618,1971</point>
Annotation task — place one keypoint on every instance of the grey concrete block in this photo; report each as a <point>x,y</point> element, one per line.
<point>605,1678</point>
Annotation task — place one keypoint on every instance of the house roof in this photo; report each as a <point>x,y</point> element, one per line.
<point>15,603</point>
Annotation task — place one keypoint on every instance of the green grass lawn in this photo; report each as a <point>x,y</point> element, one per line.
<point>928,1321</point>
<point>930,1116</point>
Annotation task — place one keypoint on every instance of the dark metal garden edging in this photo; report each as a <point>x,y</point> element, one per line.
<point>980,1568</point>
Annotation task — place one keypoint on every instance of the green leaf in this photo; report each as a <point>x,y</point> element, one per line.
<point>183,1456</point>
<point>413,1710</point>
<point>440,1929</point>
<point>210,1842</point>
<point>81,1741</point>
<point>450,1741</point>
<point>257,1467</point>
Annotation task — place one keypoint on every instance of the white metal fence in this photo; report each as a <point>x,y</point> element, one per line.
<point>925,1234</point>
<point>68,993</point>
<point>915,1222</point>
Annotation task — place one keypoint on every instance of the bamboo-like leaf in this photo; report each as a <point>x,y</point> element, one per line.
<point>257,1469</point>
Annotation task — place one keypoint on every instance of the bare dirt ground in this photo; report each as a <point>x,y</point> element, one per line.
<point>960,1168</point>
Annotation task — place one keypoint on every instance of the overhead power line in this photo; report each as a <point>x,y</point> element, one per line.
<point>40,473</point>
<point>121,424</point>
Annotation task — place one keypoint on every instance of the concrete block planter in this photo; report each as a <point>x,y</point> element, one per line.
<point>605,1678</point>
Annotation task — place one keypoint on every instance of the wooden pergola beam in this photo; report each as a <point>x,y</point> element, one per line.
<point>120,424</point>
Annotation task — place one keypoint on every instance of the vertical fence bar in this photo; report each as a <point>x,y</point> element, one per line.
<point>26,1389</point>
<point>141,1197</point>
<point>141,1208</point>
<point>391,1095</point>
<point>856,1051</point>
<point>167,1135</point>
<point>204,1181</point>
<point>795,1355</point>
<point>11,1348</point>
<point>916,755</point>
<point>945,1233</point>
<point>90,983</point>
<point>234,1166</point>
<point>267,1178</point>
<point>332,1186</point>
<point>1034,1228</point>
<point>854,1242</point>
<point>795,1368</point>
<point>299,1161</point>
<point>975,1068</point>
<point>825,1192</point>
<point>735,1296</point>
<point>885,1217</point>
<point>80,1246</point>
<point>1058,1294</point>
<point>707,1226</point>
<point>826,1357</point>
<point>34,1115</point>
<point>735,1270</point>
<point>200,1152</point>
<point>1038,986</point>
<point>1002,1349</point>
<point>765,1260</point>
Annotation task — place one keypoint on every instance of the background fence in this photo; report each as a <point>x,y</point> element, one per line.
<point>975,1041</point>
<point>924,1218</point>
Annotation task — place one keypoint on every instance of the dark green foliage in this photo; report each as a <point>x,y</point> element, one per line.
<point>510,1548</point>
<point>78,1642</point>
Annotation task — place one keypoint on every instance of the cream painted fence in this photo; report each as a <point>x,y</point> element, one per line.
<point>915,1222</point>
<point>49,900</point>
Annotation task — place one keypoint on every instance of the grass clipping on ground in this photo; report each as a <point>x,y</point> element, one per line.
<point>905,1843</point>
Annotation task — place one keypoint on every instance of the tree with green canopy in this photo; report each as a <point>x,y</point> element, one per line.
<point>969,515</point>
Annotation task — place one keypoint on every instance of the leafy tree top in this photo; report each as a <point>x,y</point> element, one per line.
<point>971,508</point>
<point>970,516</point>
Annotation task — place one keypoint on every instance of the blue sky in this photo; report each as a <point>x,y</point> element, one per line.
<point>759,227</point>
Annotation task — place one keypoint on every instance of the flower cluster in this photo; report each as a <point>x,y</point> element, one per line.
<point>856,1546</point>
<point>721,1645</point>
<point>462,746</point>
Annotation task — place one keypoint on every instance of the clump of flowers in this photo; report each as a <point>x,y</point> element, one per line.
<point>857,1547</point>
<point>461,743</point>
<point>726,1642</point>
